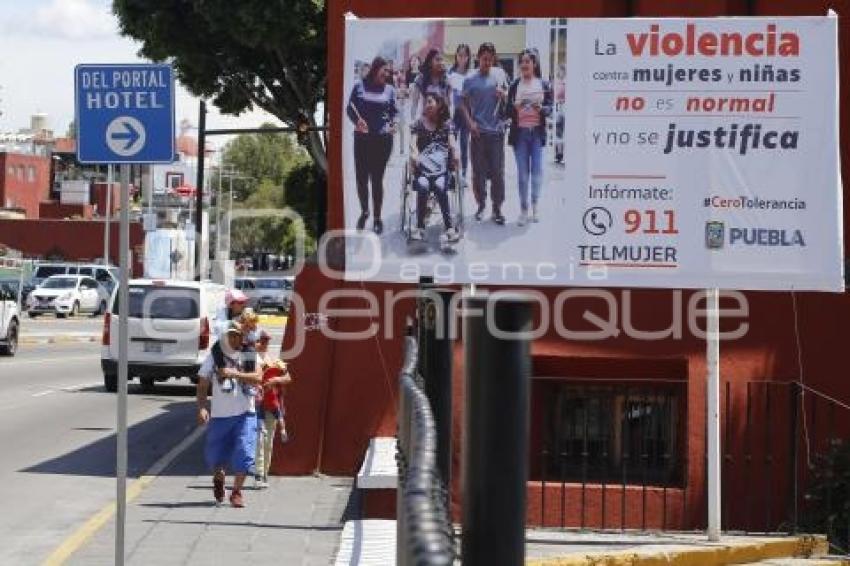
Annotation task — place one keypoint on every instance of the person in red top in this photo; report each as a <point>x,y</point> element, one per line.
<point>270,409</point>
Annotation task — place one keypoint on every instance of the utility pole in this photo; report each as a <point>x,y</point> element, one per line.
<point>199,189</point>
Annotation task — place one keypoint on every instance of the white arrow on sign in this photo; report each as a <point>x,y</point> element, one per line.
<point>125,136</point>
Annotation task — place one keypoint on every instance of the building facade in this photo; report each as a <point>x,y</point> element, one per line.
<point>24,182</point>
<point>617,425</point>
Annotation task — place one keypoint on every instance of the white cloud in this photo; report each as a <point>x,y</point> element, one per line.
<point>74,19</point>
<point>41,78</point>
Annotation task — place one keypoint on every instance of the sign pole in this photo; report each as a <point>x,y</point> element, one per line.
<point>124,121</point>
<point>109,181</point>
<point>123,304</point>
<point>712,356</point>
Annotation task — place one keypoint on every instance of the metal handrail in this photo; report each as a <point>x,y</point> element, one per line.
<point>425,535</point>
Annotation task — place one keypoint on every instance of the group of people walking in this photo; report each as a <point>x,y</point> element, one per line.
<point>458,117</point>
<point>247,387</point>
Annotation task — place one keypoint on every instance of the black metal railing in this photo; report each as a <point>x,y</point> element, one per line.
<point>786,461</point>
<point>494,462</point>
<point>425,535</point>
<point>600,453</point>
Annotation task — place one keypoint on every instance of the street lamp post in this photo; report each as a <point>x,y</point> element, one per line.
<point>231,174</point>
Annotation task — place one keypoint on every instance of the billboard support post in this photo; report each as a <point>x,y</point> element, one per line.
<point>497,353</point>
<point>712,356</point>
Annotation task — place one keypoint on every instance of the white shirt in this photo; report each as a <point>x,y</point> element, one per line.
<point>456,79</point>
<point>225,403</point>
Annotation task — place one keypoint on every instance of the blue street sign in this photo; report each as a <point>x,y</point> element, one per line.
<point>125,113</point>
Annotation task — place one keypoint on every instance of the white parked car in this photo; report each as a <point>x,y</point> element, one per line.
<point>10,321</point>
<point>171,324</point>
<point>68,295</point>
<point>106,275</point>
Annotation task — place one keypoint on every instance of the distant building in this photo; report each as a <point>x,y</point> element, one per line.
<point>24,182</point>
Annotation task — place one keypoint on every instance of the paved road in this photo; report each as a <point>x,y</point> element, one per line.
<point>50,324</point>
<point>57,433</point>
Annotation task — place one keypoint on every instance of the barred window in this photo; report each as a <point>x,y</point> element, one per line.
<point>614,434</point>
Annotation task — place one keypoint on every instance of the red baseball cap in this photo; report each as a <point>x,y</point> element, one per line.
<point>235,296</point>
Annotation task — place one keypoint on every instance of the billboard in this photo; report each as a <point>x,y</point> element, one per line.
<point>667,153</point>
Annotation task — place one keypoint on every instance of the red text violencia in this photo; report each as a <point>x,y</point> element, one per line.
<point>768,43</point>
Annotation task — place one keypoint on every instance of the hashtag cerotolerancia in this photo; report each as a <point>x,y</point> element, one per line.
<point>753,203</point>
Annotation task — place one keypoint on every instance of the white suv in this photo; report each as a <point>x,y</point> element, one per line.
<point>171,327</point>
<point>67,295</point>
<point>9,321</point>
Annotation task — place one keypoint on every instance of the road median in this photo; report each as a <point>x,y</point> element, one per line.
<point>68,338</point>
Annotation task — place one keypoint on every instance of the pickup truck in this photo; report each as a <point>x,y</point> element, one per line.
<point>10,321</point>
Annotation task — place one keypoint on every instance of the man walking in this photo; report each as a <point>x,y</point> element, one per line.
<point>483,96</point>
<point>232,430</point>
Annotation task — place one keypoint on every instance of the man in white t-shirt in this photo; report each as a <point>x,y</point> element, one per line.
<point>232,422</point>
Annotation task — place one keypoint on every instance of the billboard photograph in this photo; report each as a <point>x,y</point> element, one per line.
<point>684,153</point>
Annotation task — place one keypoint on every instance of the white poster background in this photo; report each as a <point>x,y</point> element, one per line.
<point>779,210</point>
<point>711,184</point>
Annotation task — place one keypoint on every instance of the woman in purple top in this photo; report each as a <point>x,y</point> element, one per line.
<point>372,109</point>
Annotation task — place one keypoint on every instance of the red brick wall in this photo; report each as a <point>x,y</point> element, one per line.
<point>99,196</point>
<point>75,240</point>
<point>54,210</point>
<point>16,188</point>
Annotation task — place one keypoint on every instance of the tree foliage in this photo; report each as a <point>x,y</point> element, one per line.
<point>828,495</point>
<point>273,172</point>
<point>255,158</point>
<point>243,54</point>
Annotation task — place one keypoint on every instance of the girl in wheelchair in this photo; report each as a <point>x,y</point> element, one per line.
<point>433,158</point>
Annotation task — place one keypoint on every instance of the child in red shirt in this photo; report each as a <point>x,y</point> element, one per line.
<point>270,409</point>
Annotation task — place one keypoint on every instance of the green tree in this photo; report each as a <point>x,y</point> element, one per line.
<point>260,157</point>
<point>272,172</point>
<point>268,235</point>
<point>250,53</point>
<point>303,188</point>
<point>72,129</point>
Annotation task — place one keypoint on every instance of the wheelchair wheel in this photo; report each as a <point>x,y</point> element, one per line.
<point>457,203</point>
<point>404,198</point>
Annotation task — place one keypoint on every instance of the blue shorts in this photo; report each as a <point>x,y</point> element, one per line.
<point>231,443</point>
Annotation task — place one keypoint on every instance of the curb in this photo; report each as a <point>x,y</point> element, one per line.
<point>41,340</point>
<point>745,552</point>
<point>273,319</point>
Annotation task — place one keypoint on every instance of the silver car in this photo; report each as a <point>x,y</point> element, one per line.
<point>267,293</point>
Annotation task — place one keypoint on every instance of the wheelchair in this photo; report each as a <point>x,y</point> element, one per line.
<point>432,214</point>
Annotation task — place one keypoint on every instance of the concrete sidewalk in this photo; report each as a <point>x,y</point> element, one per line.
<point>174,521</point>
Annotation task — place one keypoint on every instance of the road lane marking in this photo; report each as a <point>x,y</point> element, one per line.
<point>60,360</point>
<point>43,393</point>
<point>88,529</point>
<point>75,388</point>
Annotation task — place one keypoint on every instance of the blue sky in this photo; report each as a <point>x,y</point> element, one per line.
<point>41,41</point>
